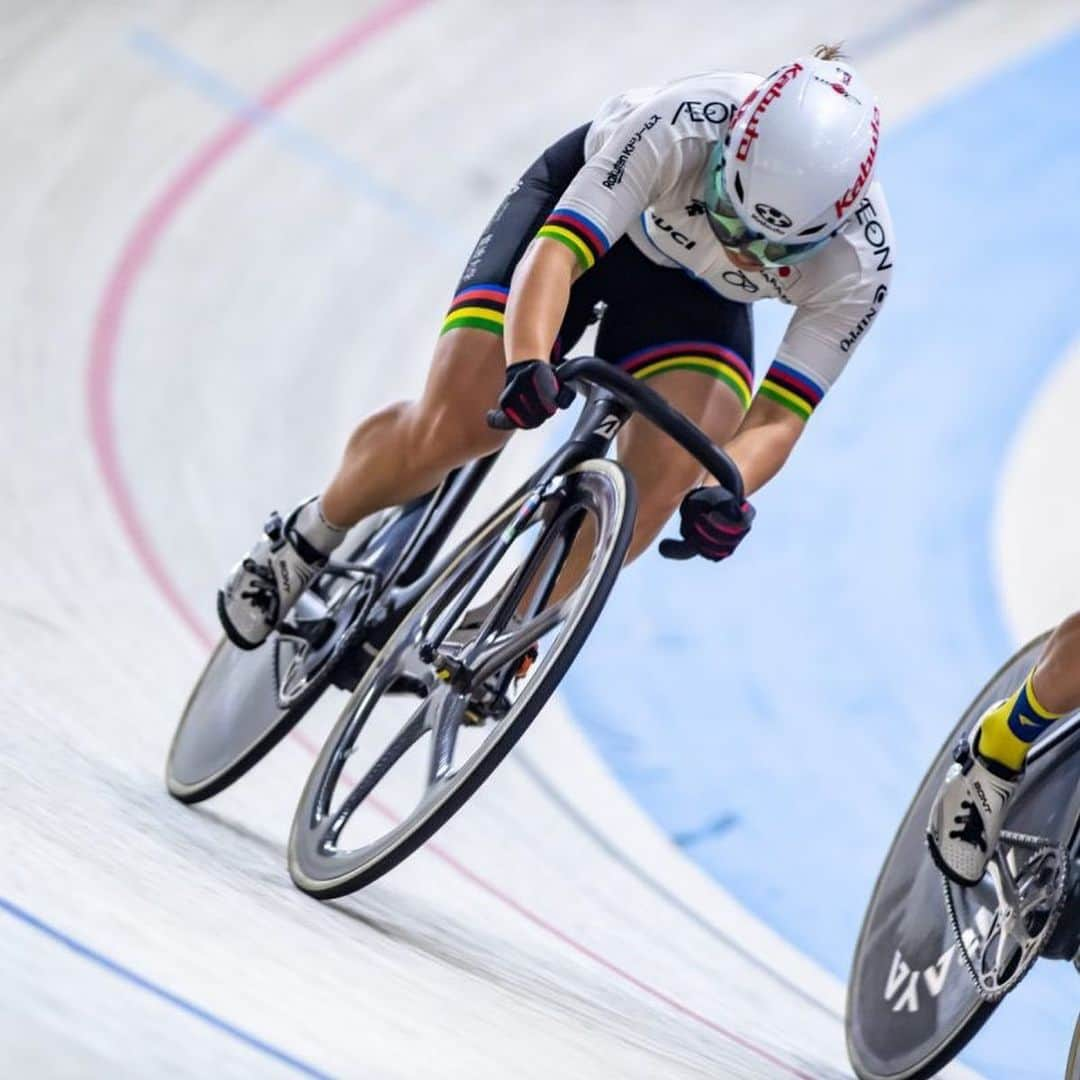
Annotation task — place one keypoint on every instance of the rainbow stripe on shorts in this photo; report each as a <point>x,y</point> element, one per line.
<point>712,360</point>
<point>792,389</point>
<point>480,307</point>
<point>583,237</point>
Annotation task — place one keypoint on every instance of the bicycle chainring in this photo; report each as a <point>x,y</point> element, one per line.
<point>302,649</point>
<point>1000,945</point>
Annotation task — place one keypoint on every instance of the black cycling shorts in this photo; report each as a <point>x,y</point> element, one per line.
<point>654,318</point>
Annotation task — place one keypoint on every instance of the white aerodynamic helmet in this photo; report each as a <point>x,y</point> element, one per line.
<point>797,156</point>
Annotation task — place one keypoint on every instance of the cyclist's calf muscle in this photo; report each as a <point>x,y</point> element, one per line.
<point>407,448</point>
<point>1057,675</point>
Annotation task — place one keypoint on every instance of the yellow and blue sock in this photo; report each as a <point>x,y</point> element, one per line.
<point>1007,731</point>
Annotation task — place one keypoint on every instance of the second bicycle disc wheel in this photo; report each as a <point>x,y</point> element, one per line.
<point>395,768</point>
<point>912,1005</point>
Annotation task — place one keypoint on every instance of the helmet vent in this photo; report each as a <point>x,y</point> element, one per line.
<point>739,188</point>
<point>813,229</point>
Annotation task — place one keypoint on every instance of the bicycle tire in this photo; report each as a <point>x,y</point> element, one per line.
<point>302,854</point>
<point>1072,1068</point>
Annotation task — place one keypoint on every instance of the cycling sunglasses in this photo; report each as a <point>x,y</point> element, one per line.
<point>731,231</point>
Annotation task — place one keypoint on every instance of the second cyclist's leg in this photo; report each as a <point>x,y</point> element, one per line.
<point>969,812</point>
<point>1052,689</point>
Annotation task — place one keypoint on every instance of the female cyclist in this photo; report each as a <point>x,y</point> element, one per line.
<point>674,209</point>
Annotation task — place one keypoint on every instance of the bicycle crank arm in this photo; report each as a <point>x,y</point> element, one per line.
<point>999,945</point>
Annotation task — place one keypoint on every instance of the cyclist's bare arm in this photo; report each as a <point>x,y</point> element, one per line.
<point>764,441</point>
<point>539,295</point>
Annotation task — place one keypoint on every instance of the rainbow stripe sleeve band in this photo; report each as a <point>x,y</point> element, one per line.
<point>712,360</point>
<point>481,307</point>
<point>583,237</point>
<point>792,389</point>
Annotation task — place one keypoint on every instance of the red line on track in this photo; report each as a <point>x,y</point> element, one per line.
<point>99,390</point>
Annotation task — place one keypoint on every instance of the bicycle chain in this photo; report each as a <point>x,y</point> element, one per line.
<point>1036,844</point>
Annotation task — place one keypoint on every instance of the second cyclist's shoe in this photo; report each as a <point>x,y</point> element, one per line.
<point>266,583</point>
<point>968,814</point>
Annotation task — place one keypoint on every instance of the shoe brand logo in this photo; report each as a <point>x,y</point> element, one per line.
<point>978,789</point>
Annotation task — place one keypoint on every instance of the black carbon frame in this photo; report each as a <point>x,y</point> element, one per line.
<point>612,397</point>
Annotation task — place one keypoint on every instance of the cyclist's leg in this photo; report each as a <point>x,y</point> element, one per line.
<point>663,472</point>
<point>1057,674</point>
<point>1052,689</point>
<point>407,448</point>
<point>696,349</point>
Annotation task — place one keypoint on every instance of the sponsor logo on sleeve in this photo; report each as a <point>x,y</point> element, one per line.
<point>615,176</point>
<point>859,328</point>
<point>847,200</point>
<point>712,112</point>
<point>761,103</point>
<point>695,207</point>
<point>874,233</point>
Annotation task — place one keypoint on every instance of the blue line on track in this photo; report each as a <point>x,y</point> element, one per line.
<point>300,142</point>
<point>143,983</point>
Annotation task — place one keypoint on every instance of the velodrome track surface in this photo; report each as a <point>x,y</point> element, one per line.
<point>207,281</point>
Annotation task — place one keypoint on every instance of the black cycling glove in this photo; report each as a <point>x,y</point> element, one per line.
<point>533,393</point>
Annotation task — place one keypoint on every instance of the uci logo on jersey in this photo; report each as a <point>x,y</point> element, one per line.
<point>680,238</point>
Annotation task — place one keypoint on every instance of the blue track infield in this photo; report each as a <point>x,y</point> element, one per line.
<point>782,708</point>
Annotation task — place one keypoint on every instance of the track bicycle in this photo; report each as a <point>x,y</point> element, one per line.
<point>933,959</point>
<point>447,660</point>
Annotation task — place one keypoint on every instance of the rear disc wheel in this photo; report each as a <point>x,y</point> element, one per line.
<point>246,701</point>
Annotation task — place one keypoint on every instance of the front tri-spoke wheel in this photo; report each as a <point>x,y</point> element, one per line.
<point>466,671</point>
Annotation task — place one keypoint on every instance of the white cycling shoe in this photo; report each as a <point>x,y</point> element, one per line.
<point>968,814</point>
<point>262,588</point>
